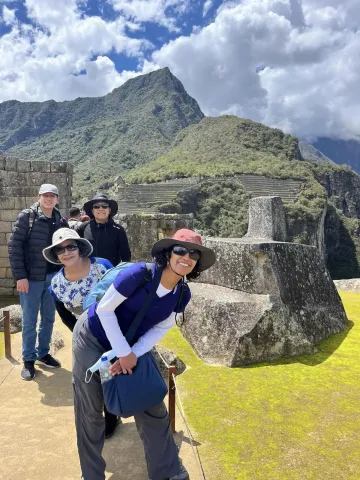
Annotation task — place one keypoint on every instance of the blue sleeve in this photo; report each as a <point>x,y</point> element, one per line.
<point>128,279</point>
<point>103,261</point>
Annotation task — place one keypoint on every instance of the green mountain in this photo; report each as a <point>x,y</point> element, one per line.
<point>102,136</point>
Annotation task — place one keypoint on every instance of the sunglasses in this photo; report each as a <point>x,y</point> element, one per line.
<point>182,251</point>
<point>100,205</point>
<point>70,248</point>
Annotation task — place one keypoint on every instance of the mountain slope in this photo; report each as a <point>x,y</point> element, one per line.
<point>102,136</point>
<point>340,151</point>
<point>309,152</point>
<point>221,146</point>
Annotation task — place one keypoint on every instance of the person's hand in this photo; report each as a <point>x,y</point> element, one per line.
<point>22,285</point>
<point>124,365</point>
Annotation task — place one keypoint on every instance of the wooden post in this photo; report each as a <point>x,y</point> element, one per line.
<point>7,337</point>
<point>171,387</point>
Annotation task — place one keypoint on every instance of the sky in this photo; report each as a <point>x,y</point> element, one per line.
<point>291,64</point>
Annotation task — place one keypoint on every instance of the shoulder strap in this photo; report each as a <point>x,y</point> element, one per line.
<point>31,220</point>
<point>130,335</point>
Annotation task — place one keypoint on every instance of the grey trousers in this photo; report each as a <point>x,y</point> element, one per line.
<point>153,425</point>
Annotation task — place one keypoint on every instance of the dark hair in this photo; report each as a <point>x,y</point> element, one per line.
<point>82,249</point>
<point>74,211</point>
<point>161,260</point>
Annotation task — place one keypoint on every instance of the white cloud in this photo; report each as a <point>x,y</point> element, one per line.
<point>8,15</point>
<point>62,55</point>
<point>207,5</point>
<point>310,52</point>
<point>162,12</point>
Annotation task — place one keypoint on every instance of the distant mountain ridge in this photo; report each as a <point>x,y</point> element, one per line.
<point>102,136</point>
<point>340,151</point>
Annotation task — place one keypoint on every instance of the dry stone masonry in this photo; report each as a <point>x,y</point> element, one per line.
<point>144,230</point>
<point>263,299</point>
<point>19,185</point>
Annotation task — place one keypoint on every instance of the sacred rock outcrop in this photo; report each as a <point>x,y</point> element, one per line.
<point>263,299</point>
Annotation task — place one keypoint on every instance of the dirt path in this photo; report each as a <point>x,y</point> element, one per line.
<point>37,427</point>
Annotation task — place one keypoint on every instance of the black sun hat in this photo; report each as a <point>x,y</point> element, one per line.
<point>100,198</point>
<point>188,239</point>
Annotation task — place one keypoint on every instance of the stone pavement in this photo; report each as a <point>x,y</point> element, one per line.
<point>37,426</point>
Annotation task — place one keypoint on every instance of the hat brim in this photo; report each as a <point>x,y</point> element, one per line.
<point>207,258</point>
<point>89,205</point>
<point>52,258</point>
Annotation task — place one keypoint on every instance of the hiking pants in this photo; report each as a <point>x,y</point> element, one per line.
<point>153,425</point>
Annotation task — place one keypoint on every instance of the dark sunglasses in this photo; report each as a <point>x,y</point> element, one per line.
<point>70,248</point>
<point>100,205</point>
<point>182,251</point>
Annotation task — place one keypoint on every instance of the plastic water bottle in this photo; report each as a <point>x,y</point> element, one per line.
<point>105,364</point>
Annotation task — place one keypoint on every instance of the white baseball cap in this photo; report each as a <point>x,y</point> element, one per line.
<point>48,188</point>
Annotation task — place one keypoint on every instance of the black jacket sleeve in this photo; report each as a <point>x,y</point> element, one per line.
<point>17,245</point>
<point>123,243</point>
<point>67,317</point>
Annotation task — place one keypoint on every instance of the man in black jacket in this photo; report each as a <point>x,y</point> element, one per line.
<point>109,239</point>
<point>33,232</point>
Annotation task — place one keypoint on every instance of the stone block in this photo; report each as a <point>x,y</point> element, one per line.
<point>3,239</point>
<point>11,164</point>
<point>8,273</point>
<point>31,200</point>
<point>7,202</point>
<point>8,215</point>
<point>20,203</point>
<point>23,166</point>
<point>234,328</point>
<point>40,166</point>
<point>25,191</point>
<point>4,251</point>
<point>3,272</point>
<point>2,161</point>
<point>5,227</point>
<point>59,167</point>
<point>4,262</point>
<point>267,219</point>
<point>16,179</point>
<point>6,292</point>
<point>15,318</point>
<point>6,283</point>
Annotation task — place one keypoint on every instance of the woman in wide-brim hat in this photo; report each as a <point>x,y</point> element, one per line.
<point>79,274</point>
<point>104,326</point>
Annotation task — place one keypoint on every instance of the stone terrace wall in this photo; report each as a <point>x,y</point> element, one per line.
<point>19,185</point>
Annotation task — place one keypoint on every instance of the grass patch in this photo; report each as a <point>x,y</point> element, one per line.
<point>296,418</point>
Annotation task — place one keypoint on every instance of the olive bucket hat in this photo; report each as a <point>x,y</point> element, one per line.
<point>188,239</point>
<point>60,236</point>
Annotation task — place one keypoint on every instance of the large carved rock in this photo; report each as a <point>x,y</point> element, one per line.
<point>262,301</point>
<point>15,318</point>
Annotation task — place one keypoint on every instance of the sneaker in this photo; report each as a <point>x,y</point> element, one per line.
<point>49,361</point>
<point>111,424</point>
<point>28,371</point>
<point>182,475</point>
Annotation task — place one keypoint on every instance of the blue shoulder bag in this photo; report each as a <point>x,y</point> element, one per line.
<point>126,395</point>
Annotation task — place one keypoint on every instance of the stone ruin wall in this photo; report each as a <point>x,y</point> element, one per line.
<point>19,186</point>
<point>144,230</point>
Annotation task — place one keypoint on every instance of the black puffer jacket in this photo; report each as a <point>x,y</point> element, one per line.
<point>25,248</point>
<point>109,240</point>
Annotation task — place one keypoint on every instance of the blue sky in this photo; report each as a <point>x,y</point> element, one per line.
<point>291,64</point>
